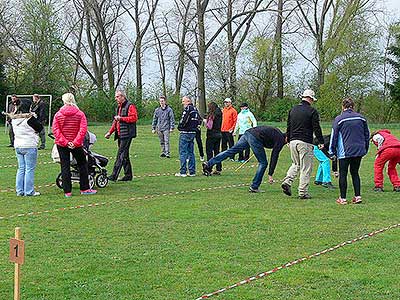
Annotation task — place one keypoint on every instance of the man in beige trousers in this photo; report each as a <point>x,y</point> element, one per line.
<point>303,121</point>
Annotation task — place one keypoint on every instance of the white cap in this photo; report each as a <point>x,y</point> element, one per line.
<point>309,94</point>
<point>228,100</point>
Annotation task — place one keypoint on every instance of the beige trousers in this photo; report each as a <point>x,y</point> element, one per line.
<point>302,160</point>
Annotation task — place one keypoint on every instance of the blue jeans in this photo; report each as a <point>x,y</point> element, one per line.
<point>324,168</point>
<point>27,158</point>
<point>246,141</point>
<point>186,152</point>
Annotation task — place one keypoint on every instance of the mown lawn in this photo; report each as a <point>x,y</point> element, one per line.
<point>162,237</point>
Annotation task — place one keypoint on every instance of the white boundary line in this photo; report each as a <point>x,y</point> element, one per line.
<point>297,261</point>
<point>145,197</point>
<point>9,189</point>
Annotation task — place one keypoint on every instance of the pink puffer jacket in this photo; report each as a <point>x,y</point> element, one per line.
<point>69,125</point>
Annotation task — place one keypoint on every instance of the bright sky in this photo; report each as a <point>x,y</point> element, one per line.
<point>394,6</point>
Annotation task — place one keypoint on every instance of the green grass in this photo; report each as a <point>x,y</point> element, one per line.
<point>156,244</point>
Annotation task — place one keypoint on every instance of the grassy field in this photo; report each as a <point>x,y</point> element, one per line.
<point>162,237</point>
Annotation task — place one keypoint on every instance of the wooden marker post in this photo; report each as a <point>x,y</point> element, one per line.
<point>17,255</point>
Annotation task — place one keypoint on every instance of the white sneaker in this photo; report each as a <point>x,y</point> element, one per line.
<point>201,158</point>
<point>34,194</point>
<point>192,175</point>
<point>180,175</point>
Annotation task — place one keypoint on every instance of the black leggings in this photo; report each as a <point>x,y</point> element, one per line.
<point>354,163</point>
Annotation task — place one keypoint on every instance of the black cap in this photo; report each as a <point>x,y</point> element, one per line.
<point>244,104</point>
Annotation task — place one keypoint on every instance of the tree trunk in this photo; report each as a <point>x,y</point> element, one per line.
<point>139,83</point>
<point>201,47</point>
<point>232,54</point>
<point>278,47</point>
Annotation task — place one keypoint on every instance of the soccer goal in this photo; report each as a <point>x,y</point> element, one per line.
<point>46,98</point>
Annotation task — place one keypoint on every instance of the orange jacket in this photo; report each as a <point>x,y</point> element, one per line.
<point>229,117</point>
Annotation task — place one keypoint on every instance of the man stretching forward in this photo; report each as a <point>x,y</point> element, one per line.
<point>257,138</point>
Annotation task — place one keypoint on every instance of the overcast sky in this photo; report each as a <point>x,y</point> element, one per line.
<point>394,5</point>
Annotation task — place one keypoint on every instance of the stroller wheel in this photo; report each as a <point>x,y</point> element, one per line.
<point>59,181</point>
<point>101,180</point>
<point>91,181</point>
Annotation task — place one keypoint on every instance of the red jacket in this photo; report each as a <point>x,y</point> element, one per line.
<point>389,140</point>
<point>69,125</point>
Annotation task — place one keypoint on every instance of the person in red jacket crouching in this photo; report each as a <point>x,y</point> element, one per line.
<point>388,151</point>
<point>69,129</point>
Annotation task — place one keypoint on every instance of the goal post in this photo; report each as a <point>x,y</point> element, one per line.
<point>42,96</point>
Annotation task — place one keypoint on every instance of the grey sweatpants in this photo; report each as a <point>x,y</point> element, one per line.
<point>164,141</point>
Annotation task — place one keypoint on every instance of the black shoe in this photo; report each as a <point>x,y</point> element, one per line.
<point>167,156</point>
<point>111,178</point>
<point>216,173</point>
<point>378,189</point>
<point>10,146</point>
<point>328,185</point>
<point>253,190</point>
<point>317,182</point>
<point>206,169</point>
<point>286,189</point>
<point>125,178</point>
<point>162,155</point>
<point>305,197</point>
<point>42,147</point>
<point>396,189</point>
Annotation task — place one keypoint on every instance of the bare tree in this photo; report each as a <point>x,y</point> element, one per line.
<point>237,31</point>
<point>160,56</point>
<point>327,21</point>
<point>278,47</point>
<point>92,34</point>
<point>178,30</point>
<point>141,13</point>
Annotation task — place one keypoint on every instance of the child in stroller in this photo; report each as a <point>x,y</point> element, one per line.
<point>96,164</point>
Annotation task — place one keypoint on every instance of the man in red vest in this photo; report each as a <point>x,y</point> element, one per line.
<point>388,151</point>
<point>124,127</point>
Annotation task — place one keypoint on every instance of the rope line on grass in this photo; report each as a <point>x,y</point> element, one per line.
<point>13,156</point>
<point>9,189</point>
<point>297,261</point>
<point>97,204</point>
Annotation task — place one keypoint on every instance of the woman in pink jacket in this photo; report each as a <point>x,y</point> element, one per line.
<point>69,129</point>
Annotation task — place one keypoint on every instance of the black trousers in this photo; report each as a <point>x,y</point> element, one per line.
<point>244,155</point>
<point>354,164</point>
<point>199,142</point>
<point>81,161</point>
<point>227,140</point>
<point>212,149</point>
<point>122,160</point>
<point>11,134</point>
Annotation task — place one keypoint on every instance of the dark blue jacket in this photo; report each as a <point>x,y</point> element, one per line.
<point>190,120</point>
<point>350,135</point>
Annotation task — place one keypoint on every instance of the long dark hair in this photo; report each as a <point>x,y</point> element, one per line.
<point>212,107</point>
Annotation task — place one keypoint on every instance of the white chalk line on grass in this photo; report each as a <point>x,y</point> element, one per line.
<point>97,204</point>
<point>9,190</point>
<point>297,261</point>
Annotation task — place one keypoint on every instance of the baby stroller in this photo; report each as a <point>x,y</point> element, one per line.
<point>97,163</point>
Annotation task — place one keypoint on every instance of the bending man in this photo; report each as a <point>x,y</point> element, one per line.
<point>257,138</point>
